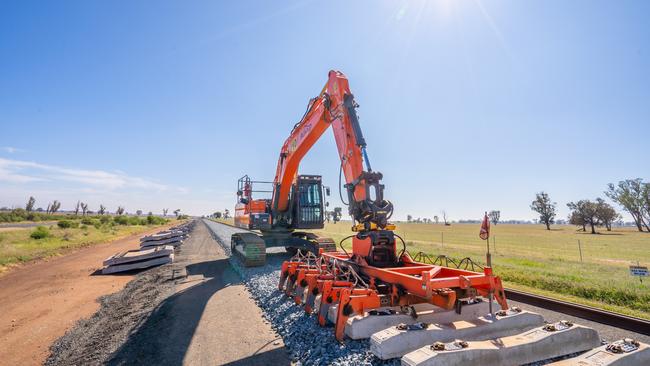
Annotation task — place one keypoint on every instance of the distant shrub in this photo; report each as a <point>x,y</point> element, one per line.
<point>155,220</point>
<point>134,220</point>
<point>84,227</point>
<point>40,232</point>
<point>183,217</point>
<point>67,224</point>
<point>19,214</point>
<point>121,220</point>
<point>105,219</point>
<point>87,221</point>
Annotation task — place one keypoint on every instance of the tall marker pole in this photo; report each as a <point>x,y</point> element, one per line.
<point>485,235</point>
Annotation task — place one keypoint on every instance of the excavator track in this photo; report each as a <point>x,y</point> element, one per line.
<point>249,248</point>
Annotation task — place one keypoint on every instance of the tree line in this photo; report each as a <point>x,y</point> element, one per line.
<point>32,213</point>
<point>633,195</point>
<point>426,220</point>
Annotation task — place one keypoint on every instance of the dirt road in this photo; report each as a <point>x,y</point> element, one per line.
<point>193,312</point>
<point>41,300</point>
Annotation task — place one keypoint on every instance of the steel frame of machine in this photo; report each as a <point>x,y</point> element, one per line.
<point>337,279</point>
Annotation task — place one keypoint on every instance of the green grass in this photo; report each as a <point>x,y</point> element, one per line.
<point>18,246</point>
<point>530,258</point>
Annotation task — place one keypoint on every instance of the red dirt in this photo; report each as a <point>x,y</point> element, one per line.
<point>41,300</point>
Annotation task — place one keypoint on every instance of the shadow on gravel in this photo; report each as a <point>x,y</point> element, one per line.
<point>164,337</point>
<point>261,358</point>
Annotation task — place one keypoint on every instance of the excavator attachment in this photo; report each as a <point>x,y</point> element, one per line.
<point>346,285</point>
<point>249,248</point>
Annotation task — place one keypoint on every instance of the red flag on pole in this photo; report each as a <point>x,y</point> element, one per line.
<point>485,228</point>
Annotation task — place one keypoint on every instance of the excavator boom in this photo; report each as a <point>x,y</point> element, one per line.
<point>334,107</point>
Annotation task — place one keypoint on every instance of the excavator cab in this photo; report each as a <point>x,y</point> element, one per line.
<point>308,203</point>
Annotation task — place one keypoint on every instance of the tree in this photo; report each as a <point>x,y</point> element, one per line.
<point>226,213</point>
<point>84,208</point>
<point>444,217</point>
<point>629,194</point>
<point>217,215</point>
<point>545,208</point>
<point>436,219</point>
<point>177,212</point>
<point>494,216</point>
<point>328,216</point>
<point>646,204</point>
<point>575,218</point>
<point>336,215</point>
<point>29,207</point>
<point>76,209</point>
<point>409,218</point>
<point>56,205</point>
<point>592,213</point>
<point>608,215</point>
<point>166,209</point>
<point>102,210</point>
<point>119,211</point>
<point>138,212</point>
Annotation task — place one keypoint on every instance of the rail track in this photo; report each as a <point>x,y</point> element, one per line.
<point>630,323</point>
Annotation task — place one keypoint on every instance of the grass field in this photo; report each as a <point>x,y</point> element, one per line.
<point>17,246</point>
<point>530,258</point>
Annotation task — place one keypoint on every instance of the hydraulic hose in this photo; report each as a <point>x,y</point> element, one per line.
<point>403,245</point>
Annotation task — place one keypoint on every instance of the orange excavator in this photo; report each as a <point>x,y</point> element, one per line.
<point>375,274</point>
<point>298,200</point>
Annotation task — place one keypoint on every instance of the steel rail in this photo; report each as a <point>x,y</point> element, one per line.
<point>630,323</point>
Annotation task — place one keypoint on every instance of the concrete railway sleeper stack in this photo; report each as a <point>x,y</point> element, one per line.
<point>154,250</point>
<point>435,325</point>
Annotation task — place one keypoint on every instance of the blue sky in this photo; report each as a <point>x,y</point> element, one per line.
<point>466,106</point>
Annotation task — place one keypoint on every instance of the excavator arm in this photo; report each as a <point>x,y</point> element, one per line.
<point>335,107</point>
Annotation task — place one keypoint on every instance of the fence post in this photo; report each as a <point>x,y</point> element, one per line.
<point>580,249</point>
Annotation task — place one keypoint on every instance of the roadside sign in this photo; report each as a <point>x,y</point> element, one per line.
<point>641,271</point>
